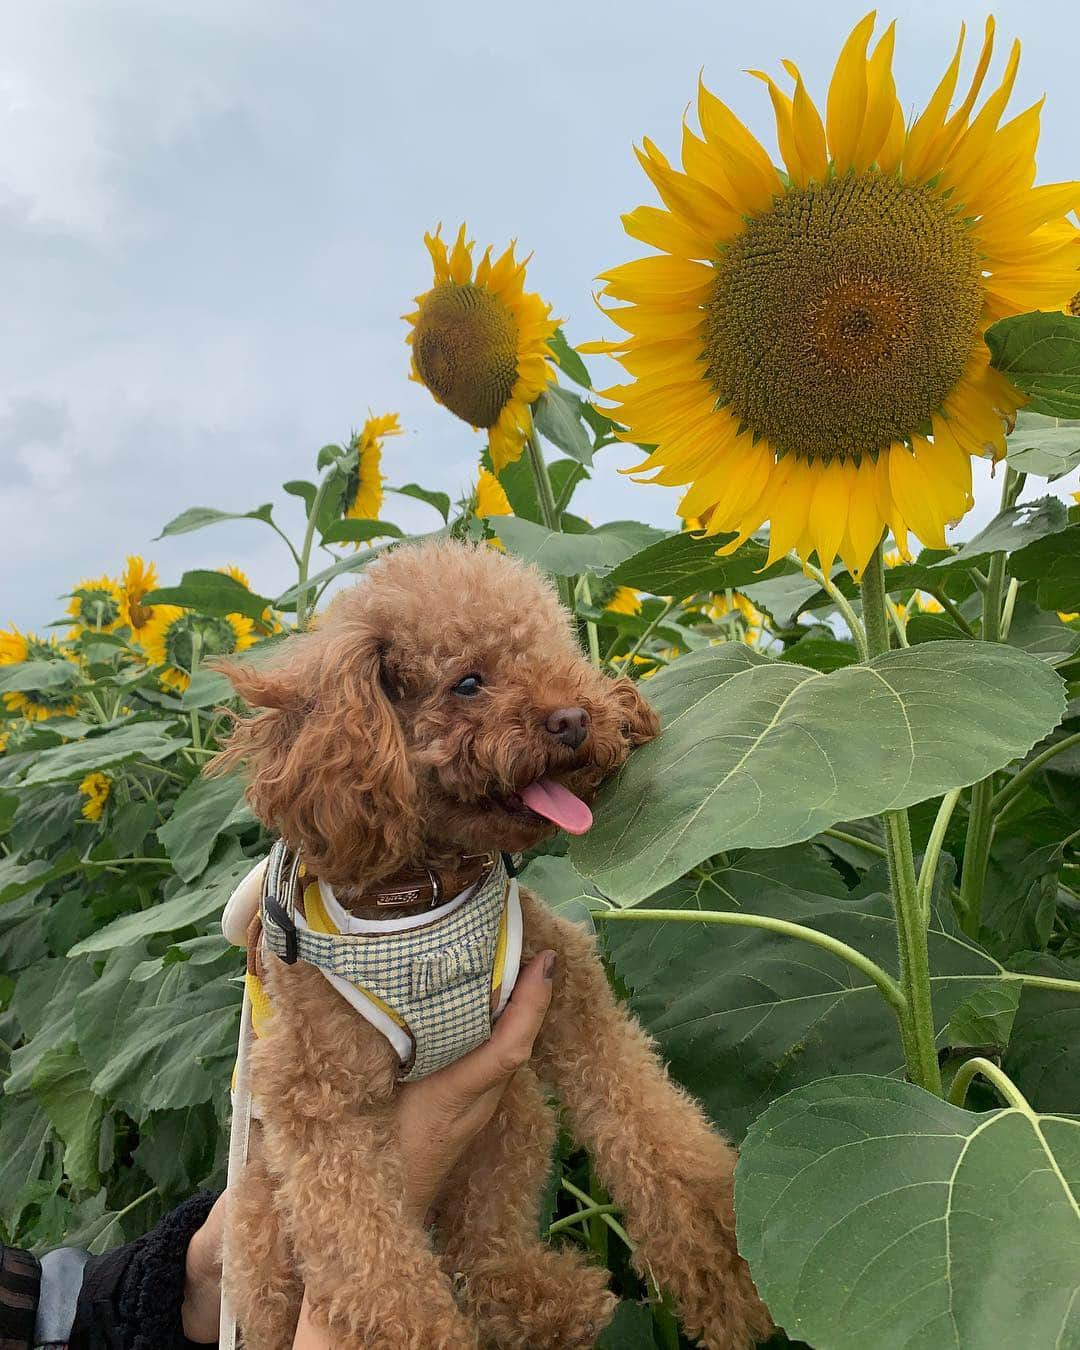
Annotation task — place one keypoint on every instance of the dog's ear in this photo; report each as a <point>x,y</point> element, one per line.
<point>327,762</point>
<point>642,723</point>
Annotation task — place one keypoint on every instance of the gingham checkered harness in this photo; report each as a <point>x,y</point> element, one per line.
<point>435,977</point>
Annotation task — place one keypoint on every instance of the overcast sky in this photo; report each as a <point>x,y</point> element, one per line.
<point>211,219</point>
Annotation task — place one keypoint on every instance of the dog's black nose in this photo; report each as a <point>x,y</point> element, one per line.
<point>569,725</point>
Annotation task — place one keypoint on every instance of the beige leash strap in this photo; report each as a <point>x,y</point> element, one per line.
<point>239,1139</point>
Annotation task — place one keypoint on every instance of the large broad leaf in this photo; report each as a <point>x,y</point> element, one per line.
<point>62,1085</point>
<point>141,740</point>
<point>1045,446</point>
<point>874,1214</point>
<point>360,531</point>
<point>682,565</point>
<point>743,1015</point>
<point>163,1053</point>
<point>1043,1057</point>
<point>176,1148</point>
<point>203,811</point>
<point>1041,632</point>
<point>190,907</point>
<point>785,597</point>
<point>198,517</point>
<point>24,1133</point>
<point>568,555</point>
<point>38,675</point>
<point>1040,354</point>
<point>1054,565</point>
<point>50,1026</point>
<point>17,879</point>
<point>558,415</point>
<point>569,362</point>
<point>210,593</point>
<point>1010,531</point>
<point>562,888</point>
<point>757,753</point>
<point>439,500</point>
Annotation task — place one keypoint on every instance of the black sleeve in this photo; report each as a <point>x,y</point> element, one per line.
<point>131,1297</point>
<point>20,1277</point>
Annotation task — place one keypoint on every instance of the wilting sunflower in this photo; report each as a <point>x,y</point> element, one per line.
<point>172,635</point>
<point>363,495</point>
<point>138,580</point>
<point>807,348</point>
<point>95,787</point>
<point>97,606</point>
<point>34,704</point>
<point>480,343</point>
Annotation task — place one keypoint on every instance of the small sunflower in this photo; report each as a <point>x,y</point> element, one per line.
<point>95,788</point>
<point>807,348</point>
<point>268,622</point>
<point>491,499</point>
<point>363,495</point>
<point>97,606</point>
<point>480,343</point>
<point>753,620</point>
<point>34,704</point>
<point>625,600</point>
<point>138,579</point>
<point>171,637</point>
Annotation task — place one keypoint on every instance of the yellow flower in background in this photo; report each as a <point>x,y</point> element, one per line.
<point>138,579</point>
<point>97,606</point>
<point>173,636</point>
<point>34,704</point>
<point>754,620</point>
<point>480,342</point>
<point>95,788</point>
<point>268,623</point>
<point>625,601</point>
<point>807,346</point>
<point>363,495</point>
<point>491,499</point>
<point>920,599</point>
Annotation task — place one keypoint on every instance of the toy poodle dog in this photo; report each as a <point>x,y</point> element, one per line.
<point>439,720</point>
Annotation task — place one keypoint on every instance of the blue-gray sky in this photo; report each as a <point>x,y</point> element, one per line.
<point>211,219</point>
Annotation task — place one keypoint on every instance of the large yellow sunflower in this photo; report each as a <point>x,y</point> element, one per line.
<point>97,606</point>
<point>362,498</point>
<point>138,579</point>
<point>807,348</point>
<point>34,704</point>
<point>480,343</point>
<point>172,635</point>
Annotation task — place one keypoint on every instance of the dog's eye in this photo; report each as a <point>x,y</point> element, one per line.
<point>468,687</point>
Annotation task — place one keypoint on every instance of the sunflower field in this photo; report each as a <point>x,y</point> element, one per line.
<point>842,889</point>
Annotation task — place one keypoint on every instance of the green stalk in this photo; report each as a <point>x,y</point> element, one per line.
<point>933,851</point>
<point>652,626</point>
<point>980,831</point>
<point>990,1071</point>
<point>303,609</point>
<point>196,654</point>
<point>888,987</point>
<point>917,1022</point>
<point>545,498</point>
<point>839,599</point>
<point>1032,767</point>
<point>584,590</point>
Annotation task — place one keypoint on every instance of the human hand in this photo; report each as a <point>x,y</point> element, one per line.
<point>436,1118</point>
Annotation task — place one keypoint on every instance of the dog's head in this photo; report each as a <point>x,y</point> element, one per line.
<point>441,707</point>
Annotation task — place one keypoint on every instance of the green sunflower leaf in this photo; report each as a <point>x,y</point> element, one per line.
<point>758,753</point>
<point>873,1213</point>
<point>682,565</point>
<point>1040,354</point>
<point>38,675</point>
<point>300,487</point>
<point>566,555</point>
<point>214,593</point>
<point>439,500</point>
<point>198,517</point>
<point>61,1083</point>
<point>1053,564</point>
<point>360,531</point>
<point>1043,1056</point>
<point>558,416</point>
<point>570,363</point>
<point>1045,446</point>
<point>140,740</point>
<point>203,811</point>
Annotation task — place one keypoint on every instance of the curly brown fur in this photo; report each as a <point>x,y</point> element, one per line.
<point>368,757</point>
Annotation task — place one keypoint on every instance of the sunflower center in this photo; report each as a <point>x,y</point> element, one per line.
<point>97,608</point>
<point>465,349</point>
<point>841,318</point>
<point>215,638</point>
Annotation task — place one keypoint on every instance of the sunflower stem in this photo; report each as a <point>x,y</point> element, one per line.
<point>980,832</point>
<point>1006,1088</point>
<point>303,609</point>
<point>196,653</point>
<point>928,870</point>
<point>545,498</point>
<point>584,591</point>
<point>917,1018</point>
<point>839,599</point>
<point>1032,767</point>
<point>627,660</point>
<point>952,610</point>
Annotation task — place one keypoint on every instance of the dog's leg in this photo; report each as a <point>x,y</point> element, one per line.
<point>263,1286</point>
<point>525,1294</point>
<point>324,1081</point>
<point>668,1170</point>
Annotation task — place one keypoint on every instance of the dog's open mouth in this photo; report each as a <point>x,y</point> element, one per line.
<point>547,799</point>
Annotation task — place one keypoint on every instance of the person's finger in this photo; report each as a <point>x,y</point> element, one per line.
<point>511,1043</point>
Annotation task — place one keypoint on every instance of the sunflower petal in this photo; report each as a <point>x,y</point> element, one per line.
<point>845,108</point>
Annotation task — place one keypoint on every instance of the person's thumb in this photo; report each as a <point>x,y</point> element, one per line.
<point>511,1043</point>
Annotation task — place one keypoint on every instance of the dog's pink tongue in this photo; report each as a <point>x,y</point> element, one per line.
<point>557,804</point>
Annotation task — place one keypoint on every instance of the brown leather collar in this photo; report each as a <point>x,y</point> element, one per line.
<point>414,891</point>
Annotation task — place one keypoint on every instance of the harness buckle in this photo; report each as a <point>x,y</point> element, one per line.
<point>280,919</point>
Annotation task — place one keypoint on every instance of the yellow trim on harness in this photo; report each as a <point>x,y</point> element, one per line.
<point>320,922</point>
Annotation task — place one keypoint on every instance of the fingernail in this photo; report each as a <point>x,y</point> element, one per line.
<point>549,965</point>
